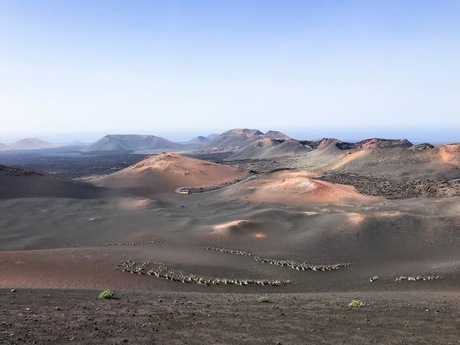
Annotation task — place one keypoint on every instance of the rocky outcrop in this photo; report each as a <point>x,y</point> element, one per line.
<point>326,142</point>
<point>366,144</point>
<point>421,147</point>
<point>381,143</point>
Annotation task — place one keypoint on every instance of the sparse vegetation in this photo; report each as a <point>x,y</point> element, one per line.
<point>264,299</point>
<point>356,303</point>
<point>106,294</point>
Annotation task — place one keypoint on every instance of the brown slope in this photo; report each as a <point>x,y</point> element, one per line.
<point>384,158</point>
<point>277,135</point>
<point>440,162</point>
<point>270,148</point>
<point>168,171</point>
<point>448,154</point>
<point>16,182</point>
<point>381,143</point>
<point>234,139</point>
<point>372,143</point>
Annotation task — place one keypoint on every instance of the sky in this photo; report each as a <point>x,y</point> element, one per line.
<point>80,69</point>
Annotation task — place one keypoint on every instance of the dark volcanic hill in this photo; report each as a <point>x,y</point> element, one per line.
<point>372,143</point>
<point>133,142</point>
<point>381,143</point>
<point>17,182</point>
<point>200,140</point>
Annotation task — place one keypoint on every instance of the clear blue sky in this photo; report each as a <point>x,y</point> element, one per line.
<point>310,68</point>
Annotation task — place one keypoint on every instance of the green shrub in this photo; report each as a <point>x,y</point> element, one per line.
<point>356,303</point>
<point>264,299</point>
<point>106,294</point>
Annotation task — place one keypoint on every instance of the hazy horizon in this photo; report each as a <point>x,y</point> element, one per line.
<point>432,136</point>
<point>351,69</point>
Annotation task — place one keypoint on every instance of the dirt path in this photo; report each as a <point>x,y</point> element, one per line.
<point>212,189</point>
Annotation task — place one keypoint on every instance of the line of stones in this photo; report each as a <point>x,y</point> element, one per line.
<point>229,251</point>
<point>108,244</point>
<point>417,278</point>
<point>287,263</point>
<point>409,278</point>
<point>162,271</point>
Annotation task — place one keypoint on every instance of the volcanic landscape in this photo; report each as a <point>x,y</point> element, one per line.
<point>191,235</point>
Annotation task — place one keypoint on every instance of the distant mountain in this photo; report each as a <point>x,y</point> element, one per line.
<point>133,142</point>
<point>212,136</point>
<point>3,147</point>
<point>234,139</point>
<point>327,142</point>
<point>31,144</point>
<point>200,140</point>
<point>76,143</point>
<point>276,135</point>
<point>270,148</point>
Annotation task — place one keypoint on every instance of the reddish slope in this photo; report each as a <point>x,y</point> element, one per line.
<point>166,172</point>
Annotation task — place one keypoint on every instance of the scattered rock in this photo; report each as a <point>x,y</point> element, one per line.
<point>395,189</point>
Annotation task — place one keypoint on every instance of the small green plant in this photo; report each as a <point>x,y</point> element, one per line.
<point>356,303</point>
<point>106,294</point>
<point>264,299</point>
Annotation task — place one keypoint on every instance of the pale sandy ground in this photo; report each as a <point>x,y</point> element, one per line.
<point>386,239</point>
